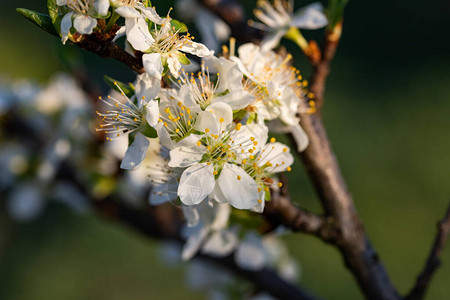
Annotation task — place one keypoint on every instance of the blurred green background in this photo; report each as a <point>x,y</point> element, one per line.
<point>387,113</point>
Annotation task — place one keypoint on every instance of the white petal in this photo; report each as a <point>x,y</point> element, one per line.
<point>221,216</point>
<point>191,215</point>
<point>277,154</point>
<point>152,115</point>
<point>61,2</point>
<point>240,190</point>
<point>197,49</point>
<point>152,65</point>
<point>220,243</point>
<point>206,120</point>
<point>174,66</point>
<point>196,237</point>
<point>135,153</point>
<point>258,131</point>
<point>102,7</point>
<point>182,157</point>
<point>196,183</point>
<point>272,39</point>
<point>259,208</point>
<point>236,99</point>
<point>66,24</point>
<point>300,137</point>
<point>138,34</point>
<point>84,24</point>
<point>152,15</point>
<point>128,12</point>
<point>310,17</point>
<point>221,111</point>
<point>147,87</point>
<point>164,136</point>
<point>251,254</point>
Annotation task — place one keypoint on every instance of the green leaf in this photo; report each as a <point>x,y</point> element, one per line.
<point>183,59</point>
<point>335,11</point>
<point>149,131</point>
<point>42,21</point>
<point>131,138</point>
<point>53,10</point>
<point>128,89</point>
<point>179,26</point>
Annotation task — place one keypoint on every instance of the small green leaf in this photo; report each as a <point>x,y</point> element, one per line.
<point>149,131</point>
<point>179,26</point>
<point>335,11</point>
<point>41,20</point>
<point>128,89</point>
<point>53,10</point>
<point>183,59</point>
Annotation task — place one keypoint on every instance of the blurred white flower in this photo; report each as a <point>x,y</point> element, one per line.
<point>279,17</point>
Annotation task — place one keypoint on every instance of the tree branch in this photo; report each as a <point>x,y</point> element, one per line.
<point>433,261</point>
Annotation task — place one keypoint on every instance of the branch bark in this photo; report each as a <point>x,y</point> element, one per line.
<point>433,261</point>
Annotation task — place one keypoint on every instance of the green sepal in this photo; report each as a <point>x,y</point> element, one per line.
<point>128,89</point>
<point>148,131</point>
<point>239,114</point>
<point>165,65</point>
<point>42,21</point>
<point>251,118</point>
<point>267,196</point>
<point>179,26</point>
<point>183,59</point>
<point>97,16</point>
<point>131,138</point>
<point>147,3</point>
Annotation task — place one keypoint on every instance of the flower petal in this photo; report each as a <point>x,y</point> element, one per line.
<point>240,190</point>
<point>102,7</point>
<point>66,24</point>
<point>174,66</point>
<point>152,115</point>
<point>191,215</point>
<point>164,136</point>
<point>196,236</point>
<point>197,49</point>
<point>220,243</point>
<point>300,137</point>
<point>220,111</point>
<point>135,153</point>
<point>272,39</point>
<point>147,87</point>
<point>138,34</point>
<point>310,17</point>
<point>182,157</point>
<point>251,254</point>
<point>278,155</point>
<point>152,15</point>
<point>128,12</point>
<point>196,183</point>
<point>84,24</point>
<point>152,65</point>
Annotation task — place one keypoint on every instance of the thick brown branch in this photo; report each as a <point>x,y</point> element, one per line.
<point>433,261</point>
<point>108,49</point>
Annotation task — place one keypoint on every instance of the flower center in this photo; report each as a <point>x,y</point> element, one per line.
<point>81,6</point>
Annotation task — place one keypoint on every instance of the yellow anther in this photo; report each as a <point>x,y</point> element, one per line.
<point>266,189</point>
<point>280,184</point>
<point>238,126</point>
<point>215,172</point>
<point>285,149</point>
<point>177,130</point>
<point>273,140</point>
<point>255,143</point>
<point>244,161</point>
<point>207,130</point>
<point>288,169</point>
<point>252,139</point>
<point>238,177</point>
<point>199,143</point>
<point>251,157</point>
<point>259,200</point>
<point>221,120</point>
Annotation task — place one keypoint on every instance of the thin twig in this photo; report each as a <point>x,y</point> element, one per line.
<point>434,259</point>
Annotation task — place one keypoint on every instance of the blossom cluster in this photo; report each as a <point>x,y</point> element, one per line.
<point>212,118</point>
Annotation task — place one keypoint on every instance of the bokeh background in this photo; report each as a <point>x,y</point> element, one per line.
<point>388,115</point>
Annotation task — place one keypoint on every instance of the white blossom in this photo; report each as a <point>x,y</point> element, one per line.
<point>279,17</point>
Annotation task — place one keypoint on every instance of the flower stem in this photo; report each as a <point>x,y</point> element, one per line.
<point>296,36</point>
<point>115,16</point>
